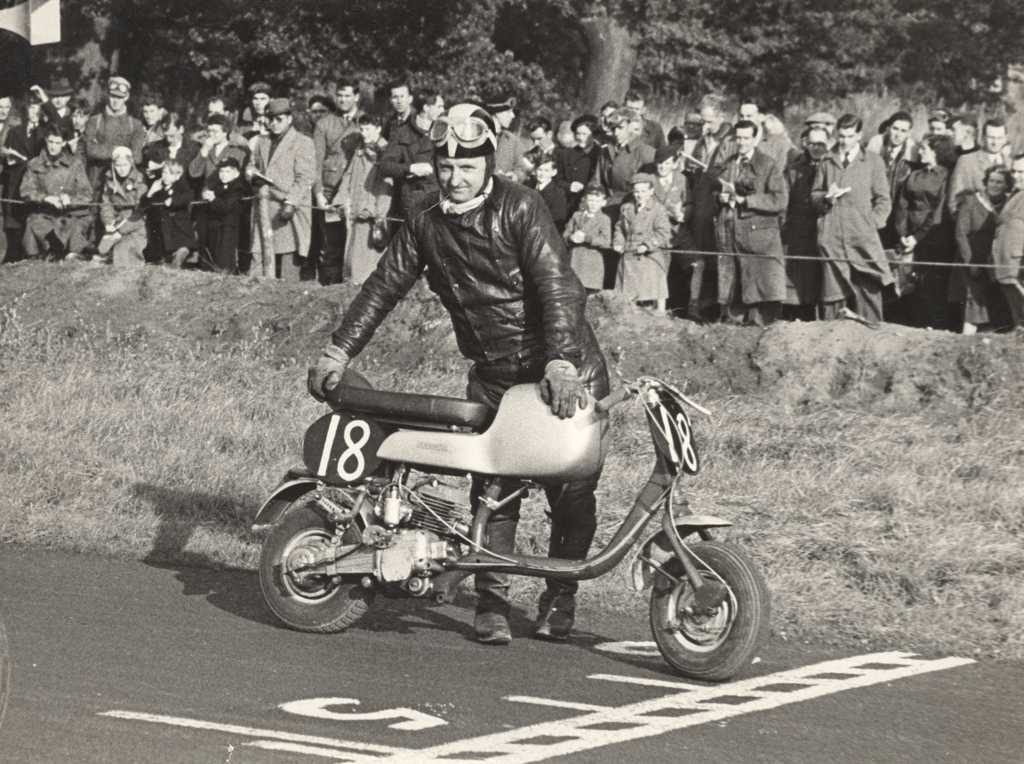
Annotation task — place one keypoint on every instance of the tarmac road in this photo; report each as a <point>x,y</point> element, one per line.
<point>128,662</point>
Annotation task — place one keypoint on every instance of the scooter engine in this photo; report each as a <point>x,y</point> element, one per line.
<point>412,553</point>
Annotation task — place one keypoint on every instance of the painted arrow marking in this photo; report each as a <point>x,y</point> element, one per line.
<point>320,708</point>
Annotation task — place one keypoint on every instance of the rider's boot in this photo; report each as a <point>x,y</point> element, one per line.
<point>492,609</point>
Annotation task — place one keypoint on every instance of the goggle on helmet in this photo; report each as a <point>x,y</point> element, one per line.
<point>465,131</point>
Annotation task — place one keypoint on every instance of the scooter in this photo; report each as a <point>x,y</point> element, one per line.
<point>373,510</point>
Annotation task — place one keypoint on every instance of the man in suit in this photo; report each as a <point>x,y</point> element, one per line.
<point>284,169</point>
<point>751,197</point>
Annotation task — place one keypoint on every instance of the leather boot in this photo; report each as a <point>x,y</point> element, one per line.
<point>571,536</point>
<point>492,609</point>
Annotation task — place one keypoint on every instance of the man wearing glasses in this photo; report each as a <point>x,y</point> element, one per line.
<point>492,254</point>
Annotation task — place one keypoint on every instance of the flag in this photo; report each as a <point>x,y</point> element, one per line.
<point>38,21</point>
<point>24,23</point>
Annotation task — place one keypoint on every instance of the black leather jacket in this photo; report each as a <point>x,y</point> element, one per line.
<point>502,271</point>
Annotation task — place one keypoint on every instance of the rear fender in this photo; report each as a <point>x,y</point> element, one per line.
<point>657,550</point>
<point>287,492</point>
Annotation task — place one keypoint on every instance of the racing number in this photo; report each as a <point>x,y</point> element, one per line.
<point>339,447</point>
<point>353,449</point>
<point>680,440</point>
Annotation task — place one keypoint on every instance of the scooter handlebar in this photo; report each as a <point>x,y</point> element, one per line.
<point>614,398</point>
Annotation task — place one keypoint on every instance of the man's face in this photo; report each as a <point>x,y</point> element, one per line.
<point>692,128</point>
<point>622,133</point>
<point>216,106</point>
<point>816,143</point>
<point>370,133</point>
<point>666,168</point>
<point>260,101</point>
<point>279,123</point>
<point>461,179</point>
<point>847,139</point>
<point>151,114</point>
<point>898,132</point>
<point>78,119</point>
<point>504,118</point>
<point>173,132</point>
<point>59,102</point>
<point>744,140</point>
<point>750,111</point>
<point>401,99</point>
<point>33,112</point>
<point>317,111</point>
<point>937,127</point>
<point>1017,171</point>
<point>541,137</point>
<point>642,192</point>
<point>710,119</point>
<point>346,98</point>
<point>583,135</point>
<point>606,114</point>
<point>117,103</point>
<point>963,133</point>
<point>216,133</point>
<point>434,110</point>
<point>995,139</point>
<point>5,109</point>
<point>636,105</point>
<point>54,145</point>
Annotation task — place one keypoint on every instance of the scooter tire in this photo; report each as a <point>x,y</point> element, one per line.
<point>717,647</point>
<point>322,606</point>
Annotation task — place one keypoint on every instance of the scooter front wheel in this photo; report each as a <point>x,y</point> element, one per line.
<point>710,645</point>
<point>308,602</point>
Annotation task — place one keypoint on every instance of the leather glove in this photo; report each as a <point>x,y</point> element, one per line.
<point>562,389</point>
<point>325,374</point>
<point>287,213</point>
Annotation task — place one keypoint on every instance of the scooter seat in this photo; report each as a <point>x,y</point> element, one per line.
<point>430,411</point>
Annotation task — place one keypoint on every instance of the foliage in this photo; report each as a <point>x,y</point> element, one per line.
<point>778,51</point>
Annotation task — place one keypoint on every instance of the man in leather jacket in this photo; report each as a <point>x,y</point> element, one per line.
<point>492,254</point>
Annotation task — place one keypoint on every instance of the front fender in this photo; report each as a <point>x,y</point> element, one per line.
<point>278,501</point>
<point>658,549</point>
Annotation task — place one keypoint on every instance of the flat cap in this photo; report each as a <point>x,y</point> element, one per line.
<point>279,106</point>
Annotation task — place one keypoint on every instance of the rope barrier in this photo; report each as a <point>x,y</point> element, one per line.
<point>667,250</point>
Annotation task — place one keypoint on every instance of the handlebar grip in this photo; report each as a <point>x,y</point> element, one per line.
<point>614,398</point>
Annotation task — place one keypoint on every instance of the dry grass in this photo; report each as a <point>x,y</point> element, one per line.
<point>874,522</point>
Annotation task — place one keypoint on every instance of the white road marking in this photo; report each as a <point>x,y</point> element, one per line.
<point>554,703</point>
<point>235,729</point>
<point>308,750</point>
<point>676,711</point>
<point>644,649</point>
<point>680,686</point>
<point>318,708</point>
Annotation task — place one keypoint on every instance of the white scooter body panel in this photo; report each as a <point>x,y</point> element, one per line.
<point>525,440</point>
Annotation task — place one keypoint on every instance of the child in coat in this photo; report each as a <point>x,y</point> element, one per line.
<point>642,232</point>
<point>589,235</point>
<point>168,203</point>
<point>223,195</point>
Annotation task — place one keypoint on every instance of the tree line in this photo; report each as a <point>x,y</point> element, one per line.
<point>556,53</point>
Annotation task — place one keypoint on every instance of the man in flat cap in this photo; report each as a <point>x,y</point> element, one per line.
<point>54,104</point>
<point>490,251</point>
<point>283,222</point>
<point>111,128</point>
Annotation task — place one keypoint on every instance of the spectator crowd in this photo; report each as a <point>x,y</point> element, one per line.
<point>723,217</point>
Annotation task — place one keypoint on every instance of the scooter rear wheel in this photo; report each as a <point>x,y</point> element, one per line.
<point>314,603</point>
<point>711,647</point>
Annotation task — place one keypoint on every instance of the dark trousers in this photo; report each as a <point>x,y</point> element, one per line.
<point>328,248</point>
<point>1014,294</point>
<point>573,505</point>
<point>865,294</point>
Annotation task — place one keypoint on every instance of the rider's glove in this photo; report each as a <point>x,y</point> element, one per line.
<point>562,389</point>
<point>325,374</point>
